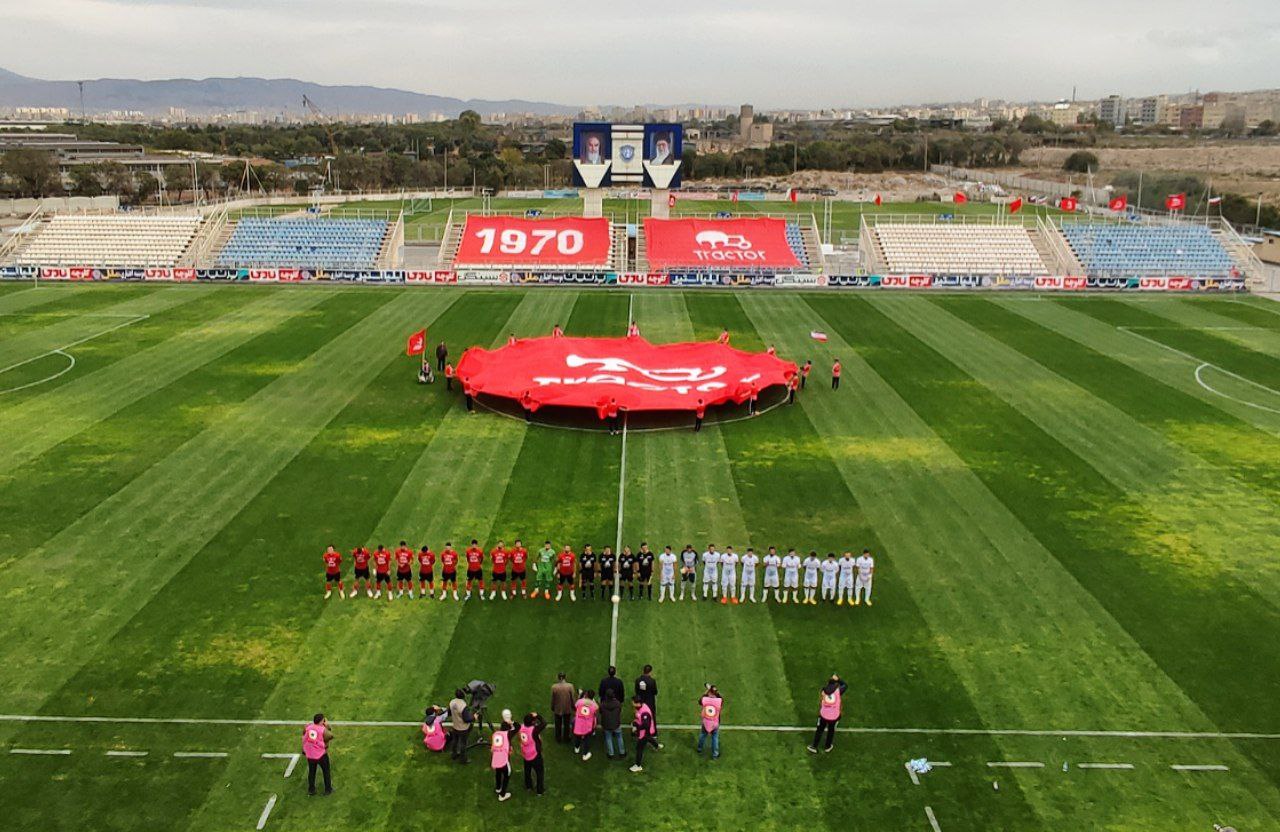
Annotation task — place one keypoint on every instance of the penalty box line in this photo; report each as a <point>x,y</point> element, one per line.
<point>391,723</point>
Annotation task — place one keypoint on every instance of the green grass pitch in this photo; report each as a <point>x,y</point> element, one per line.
<point>1073,501</point>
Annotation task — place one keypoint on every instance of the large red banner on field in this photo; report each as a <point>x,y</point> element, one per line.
<point>556,241</point>
<point>749,243</point>
<point>635,374</point>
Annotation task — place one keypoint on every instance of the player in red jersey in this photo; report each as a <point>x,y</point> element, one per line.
<point>333,572</point>
<point>519,557</point>
<point>404,570</point>
<point>448,570</point>
<point>565,562</point>
<point>475,567</point>
<point>381,571</point>
<point>498,557</point>
<point>426,573</point>
<point>360,557</point>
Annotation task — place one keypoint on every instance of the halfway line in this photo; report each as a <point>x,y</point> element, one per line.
<point>622,490</point>
<point>392,723</point>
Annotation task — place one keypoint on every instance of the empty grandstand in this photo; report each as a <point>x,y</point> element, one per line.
<point>956,248</point>
<point>306,243</point>
<point>1131,249</point>
<point>111,240</point>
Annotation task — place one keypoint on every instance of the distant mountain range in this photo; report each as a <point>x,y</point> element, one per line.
<point>267,96</point>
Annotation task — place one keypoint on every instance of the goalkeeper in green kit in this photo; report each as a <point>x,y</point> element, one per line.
<point>544,571</point>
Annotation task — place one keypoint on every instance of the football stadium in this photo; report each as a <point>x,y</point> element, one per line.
<point>985,494</point>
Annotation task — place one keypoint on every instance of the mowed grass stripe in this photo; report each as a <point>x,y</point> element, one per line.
<point>791,494</point>
<point>1199,316</point>
<point>97,353</point>
<point>680,490</point>
<point>238,657</point>
<point>999,601</point>
<point>453,488</point>
<point>976,573</point>
<point>35,499</point>
<point>561,485</point>
<point>40,423</point>
<point>22,298</point>
<point>1223,527</point>
<point>66,331</point>
<point>1183,419</point>
<point>1076,320</point>
<point>1204,345</point>
<point>1045,484</point>
<point>216,474</point>
<point>1106,537</point>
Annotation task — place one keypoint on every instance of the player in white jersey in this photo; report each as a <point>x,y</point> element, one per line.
<point>688,571</point>
<point>866,570</point>
<point>771,564</point>
<point>791,576</point>
<point>710,572</point>
<point>845,590</point>
<point>749,562</point>
<point>729,576</point>
<point>830,568</point>
<point>811,567</point>
<point>666,574</point>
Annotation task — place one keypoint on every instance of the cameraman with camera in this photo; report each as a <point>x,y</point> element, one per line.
<point>460,719</point>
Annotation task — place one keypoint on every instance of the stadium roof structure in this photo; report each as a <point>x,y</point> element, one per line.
<point>630,373</point>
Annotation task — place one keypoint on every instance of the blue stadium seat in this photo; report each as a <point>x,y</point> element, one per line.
<point>315,243</point>
<point>1188,250</point>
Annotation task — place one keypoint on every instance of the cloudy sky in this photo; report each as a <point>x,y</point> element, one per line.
<point>784,53</point>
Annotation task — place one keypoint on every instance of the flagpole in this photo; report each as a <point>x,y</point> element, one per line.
<point>1139,192</point>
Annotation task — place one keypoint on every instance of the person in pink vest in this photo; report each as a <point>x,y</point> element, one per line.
<point>712,705</point>
<point>530,735</point>
<point>585,712</point>
<point>645,729</point>
<point>829,703</point>
<point>316,737</point>
<point>500,757</point>
<point>434,732</point>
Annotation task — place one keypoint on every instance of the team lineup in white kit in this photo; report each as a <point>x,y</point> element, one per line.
<point>844,580</point>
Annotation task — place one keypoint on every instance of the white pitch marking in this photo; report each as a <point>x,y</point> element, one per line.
<point>933,820</point>
<point>1244,402</point>
<point>1108,766</point>
<point>622,489</point>
<point>292,758</point>
<point>266,811</point>
<point>127,753</point>
<point>393,723</point>
<point>1014,764</point>
<point>1199,768</point>
<point>46,379</point>
<point>60,752</point>
<point>200,754</point>
<point>915,778</point>
<point>76,343</point>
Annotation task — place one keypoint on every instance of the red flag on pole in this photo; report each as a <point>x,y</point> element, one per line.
<point>1118,203</point>
<point>1015,206</point>
<point>792,194</point>
<point>877,199</point>
<point>671,200</point>
<point>1068,204</point>
<point>735,196</point>
<point>960,198</point>
<point>417,343</point>
<point>1175,202</point>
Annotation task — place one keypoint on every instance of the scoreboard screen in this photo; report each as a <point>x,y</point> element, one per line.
<point>627,154</point>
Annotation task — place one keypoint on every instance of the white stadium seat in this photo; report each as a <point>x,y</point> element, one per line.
<point>111,240</point>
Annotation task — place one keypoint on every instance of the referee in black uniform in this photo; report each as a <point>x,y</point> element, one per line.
<point>644,561</point>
